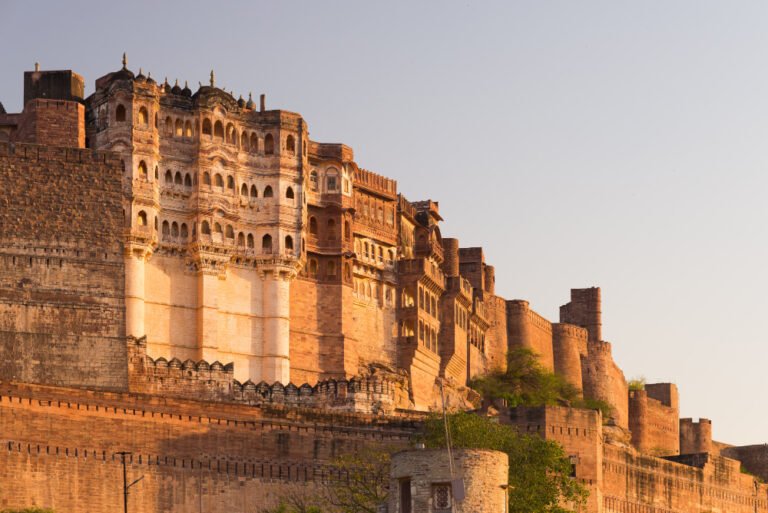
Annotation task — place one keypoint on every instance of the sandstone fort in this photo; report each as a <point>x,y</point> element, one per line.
<point>188,276</point>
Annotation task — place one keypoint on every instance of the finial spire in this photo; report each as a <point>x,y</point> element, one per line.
<point>125,61</point>
<point>250,96</point>
<point>213,79</point>
<point>185,85</point>
<point>141,72</point>
<point>37,66</point>
<point>177,83</point>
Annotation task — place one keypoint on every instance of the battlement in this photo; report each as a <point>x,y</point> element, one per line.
<point>406,207</point>
<point>215,381</point>
<point>584,310</point>
<point>695,437</point>
<point>42,153</point>
<point>376,183</point>
<point>569,330</point>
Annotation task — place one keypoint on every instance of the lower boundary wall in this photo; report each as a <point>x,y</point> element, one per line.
<point>74,480</point>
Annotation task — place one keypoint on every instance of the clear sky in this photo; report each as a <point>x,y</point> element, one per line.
<point>611,143</point>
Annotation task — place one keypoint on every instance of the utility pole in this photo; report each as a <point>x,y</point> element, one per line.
<point>126,486</point>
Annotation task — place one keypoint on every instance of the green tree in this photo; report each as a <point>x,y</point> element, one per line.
<point>637,383</point>
<point>359,484</point>
<point>539,470</point>
<point>526,383</point>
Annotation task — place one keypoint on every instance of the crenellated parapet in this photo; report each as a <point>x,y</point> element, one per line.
<point>371,393</point>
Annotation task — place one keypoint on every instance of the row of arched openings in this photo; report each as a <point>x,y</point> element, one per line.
<point>176,230</point>
<point>217,181</point>
<point>216,130</point>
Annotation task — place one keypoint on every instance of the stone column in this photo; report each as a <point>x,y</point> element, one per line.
<point>135,256</point>
<point>276,365</point>
<point>208,311</point>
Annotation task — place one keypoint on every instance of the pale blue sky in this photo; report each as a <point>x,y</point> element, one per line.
<point>611,143</point>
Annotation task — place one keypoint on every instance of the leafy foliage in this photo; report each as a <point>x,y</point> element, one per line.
<point>364,484</point>
<point>526,383</point>
<point>637,383</point>
<point>360,485</point>
<point>539,470</point>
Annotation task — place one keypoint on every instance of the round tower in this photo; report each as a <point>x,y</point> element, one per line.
<point>421,481</point>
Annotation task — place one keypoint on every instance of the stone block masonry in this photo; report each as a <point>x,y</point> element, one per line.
<point>61,267</point>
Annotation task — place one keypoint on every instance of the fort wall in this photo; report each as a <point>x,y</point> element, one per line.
<point>604,380</point>
<point>529,330</point>
<point>695,437</point>
<point>698,484</point>
<point>654,425</point>
<point>569,344</point>
<point>61,267</point>
<point>82,479</point>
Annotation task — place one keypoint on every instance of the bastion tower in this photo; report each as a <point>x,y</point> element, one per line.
<point>213,199</point>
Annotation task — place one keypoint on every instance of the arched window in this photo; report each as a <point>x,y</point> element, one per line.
<point>230,183</point>
<point>347,230</point>
<point>166,230</point>
<point>244,142</point>
<point>241,239</point>
<point>332,183</point>
<point>331,268</point>
<point>268,191</point>
<point>177,178</point>
<point>120,113</point>
<point>141,218</point>
<point>218,181</point>
<point>205,228</point>
<point>289,243</point>
<point>331,229</point>
<point>168,177</point>
<point>218,130</point>
<point>269,144</point>
<point>179,128</point>
<point>244,190</point>
<point>290,145</point>
<point>143,169</point>
<point>207,127</point>
<point>254,192</point>
<point>313,180</point>
<point>230,232</point>
<point>254,143</point>
<point>289,193</point>
<point>312,267</point>
<point>206,178</point>
<point>187,129</point>
<point>266,244</point>
<point>143,116</point>
<point>313,226</point>
<point>390,256</point>
<point>169,125</point>
<point>157,173</point>
<point>231,134</point>
<point>217,229</point>
<point>421,298</point>
<point>250,240</point>
<point>187,180</point>
<point>174,229</point>
<point>381,255</point>
<point>184,231</point>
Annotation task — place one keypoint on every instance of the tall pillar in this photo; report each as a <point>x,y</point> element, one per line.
<point>208,312</point>
<point>135,257</point>
<point>276,365</point>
